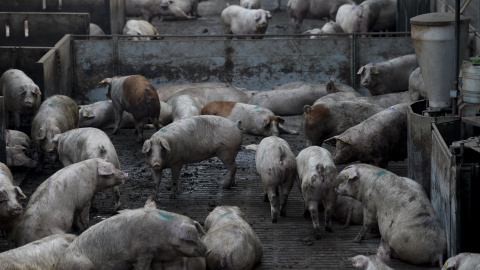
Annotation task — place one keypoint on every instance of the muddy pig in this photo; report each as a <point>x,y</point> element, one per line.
<point>324,120</point>
<point>348,210</point>
<point>251,4</point>
<point>57,114</point>
<point>463,261</point>
<point>389,76</point>
<point>102,115</point>
<point>233,243</point>
<point>369,16</point>
<point>252,119</point>
<point>184,106</point>
<point>298,10</point>
<point>416,87</point>
<point>136,28</point>
<point>133,239</point>
<point>291,101</point>
<point>85,143</point>
<point>409,226</point>
<point>10,207</point>
<point>69,192</point>
<point>205,95</point>
<point>136,95</point>
<point>379,139</point>
<point>15,137</point>
<point>41,254</point>
<point>165,92</point>
<point>276,165</point>
<point>316,178</point>
<point>190,140</point>
<point>330,27</point>
<point>21,95</point>
<point>238,20</point>
<point>339,96</point>
<point>17,156</point>
<point>384,101</point>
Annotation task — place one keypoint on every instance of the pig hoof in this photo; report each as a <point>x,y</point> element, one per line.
<point>357,240</point>
<point>328,229</point>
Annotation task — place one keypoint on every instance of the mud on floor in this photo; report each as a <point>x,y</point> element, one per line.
<point>287,244</point>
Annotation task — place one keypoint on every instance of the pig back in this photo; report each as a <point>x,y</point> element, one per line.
<point>5,174</point>
<point>141,97</point>
<point>274,155</point>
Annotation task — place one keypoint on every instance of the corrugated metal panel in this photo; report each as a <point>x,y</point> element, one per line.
<point>407,9</point>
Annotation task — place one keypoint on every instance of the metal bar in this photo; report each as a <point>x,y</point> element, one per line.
<point>3,141</point>
<point>354,60</point>
<point>457,56</point>
<point>464,6</point>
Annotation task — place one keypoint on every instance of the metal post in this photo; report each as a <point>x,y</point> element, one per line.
<point>457,56</point>
<point>3,141</point>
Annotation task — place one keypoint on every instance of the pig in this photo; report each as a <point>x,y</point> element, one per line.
<point>416,87</point>
<point>69,192</point>
<point>57,114</point>
<point>250,4</point>
<point>378,139</point>
<point>298,10</point>
<point>316,178</point>
<point>136,28</point>
<point>389,76</point>
<point>149,9</point>
<point>205,95</point>
<point>233,243</point>
<point>238,20</point>
<point>41,254</point>
<point>348,210</point>
<point>187,7</point>
<point>330,27</point>
<point>369,16</point>
<point>384,101</point>
<point>276,165</point>
<point>409,226</point>
<point>463,261</point>
<point>102,115</point>
<point>324,120</point>
<point>184,106</point>
<point>15,137</point>
<point>372,262</point>
<point>95,30</point>
<point>85,143</point>
<point>21,95</point>
<point>17,157</point>
<point>136,95</point>
<point>190,140</point>
<point>166,114</point>
<point>165,92</point>
<point>339,96</point>
<point>291,102</point>
<point>134,239</point>
<point>252,119</point>
<point>10,206</point>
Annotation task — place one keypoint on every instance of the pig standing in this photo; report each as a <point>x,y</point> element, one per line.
<point>409,226</point>
<point>324,120</point>
<point>463,261</point>
<point>21,95</point>
<point>250,4</point>
<point>136,95</point>
<point>316,176</point>
<point>389,76</point>
<point>81,144</point>
<point>138,28</point>
<point>10,207</point>
<point>57,114</point>
<point>41,254</point>
<point>134,239</point>
<point>379,139</point>
<point>416,88</point>
<point>233,243</point>
<point>190,140</point>
<point>291,102</point>
<point>252,119</point>
<point>298,10</point>
<point>238,20</point>
<point>369,16</point>
<point>17,157</point>
<point>276,165</point>
<point>184,106</point>
<point>330,27</point>
<point>69,193</point>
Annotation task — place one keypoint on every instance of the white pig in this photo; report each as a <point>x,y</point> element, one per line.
<point>252,119</point>
<point>238,20</point>
<point>41,254</point>
<point>369,16</point>
<point>233,243</point>
<point>207,94</point>
<point>463,261</point>
<point>276,165</point>
<point>251,4</point>
<point>372,262</point>
<point>15,137</point>
<point>17,157</point>
<point>136,28</point>
<point>384,101</point>
<point>165,92</point>
<point>389,76</point>
<point>68,193</point>
<point>410,228</point>
<point>21,95</point>
<point>416,87</point>
<point>190,140</point>
<point>95,30</point>
<point>184,106</point>
<point>316,178</point>
<point>348,210</point>
<point>149,9</point>
<point>85,143</point>
<point>133,239</point>
<point>102,115</point>
<point>330,27</point>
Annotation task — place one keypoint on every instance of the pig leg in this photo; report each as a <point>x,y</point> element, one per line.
<point>175,179</point>
<point>328,202</point>
<point>84,216</point>
<point>368,220</point>
<point>285,188</point>
<point>313,208</point>
<point>228,159</point>
<point>284,130</point>
<point>139,128</point>
<point>157,176</point>
<point>118,119</point>
<point>272,196</point>
<point>116,198</point>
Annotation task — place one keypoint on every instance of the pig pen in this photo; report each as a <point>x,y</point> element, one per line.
<point>76,65</point>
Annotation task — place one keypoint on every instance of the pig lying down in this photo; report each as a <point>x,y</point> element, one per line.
<point>189,140</point>
<point>463,261</point>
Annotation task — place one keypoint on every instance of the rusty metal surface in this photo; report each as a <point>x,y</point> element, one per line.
<point>23,58</point>
<point>44,29</point>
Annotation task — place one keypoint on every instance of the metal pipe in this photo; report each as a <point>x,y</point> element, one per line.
<point>464,6</point>
<point>457,56</point>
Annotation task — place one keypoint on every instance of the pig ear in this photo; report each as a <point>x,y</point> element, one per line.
<point>332,141</point>
<point>251,147</point>
<point>106,81</point>
<point>88,113</point>
<point>360,70</point>
<point>7,136</point>
<point>3,194</point>
<point>343,140</point>
<point>239,125</point>
<point>187,232</point>
<point>331,87</point>
<point>280,120</point>
<point>150,204</point>
<point>165,144</point>
<point>350,173</point>
<point>360,261</point>
<point>20,193</point>
<point>104,168</point>
<point>199,228</point>
<point>269,16</point>
<point>146,146</point>
<point>451,263</point>
<point>56,131</point>
<point>257,16</point>
<point>56,138</point>
<point>36,91</point>
<point>41,134</point>
<point>266,122</point>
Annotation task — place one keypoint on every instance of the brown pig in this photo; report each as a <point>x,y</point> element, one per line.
<point>136,95</point>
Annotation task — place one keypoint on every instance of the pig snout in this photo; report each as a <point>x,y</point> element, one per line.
<point>157,166</point>
<point>16,210</point>
<point>28,103</point>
